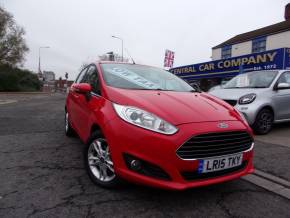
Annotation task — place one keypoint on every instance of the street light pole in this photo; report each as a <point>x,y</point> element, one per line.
<point>122,44</point>
<point>39,68</point>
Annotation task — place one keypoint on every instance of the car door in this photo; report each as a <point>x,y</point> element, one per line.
<point>87,105</point>
<point>74,101</point>
<point>282,98</point>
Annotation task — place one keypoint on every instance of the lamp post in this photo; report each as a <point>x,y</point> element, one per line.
<point>41,47</point>
<point>122,44</point>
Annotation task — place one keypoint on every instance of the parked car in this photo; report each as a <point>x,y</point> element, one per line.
<point>263,97</point>
<point>215,88</point>
<point>145,125</point>
<point>220,86</point>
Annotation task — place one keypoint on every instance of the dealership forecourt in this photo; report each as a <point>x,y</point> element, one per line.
<point>42,174</point>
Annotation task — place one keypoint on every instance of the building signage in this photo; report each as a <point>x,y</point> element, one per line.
<point>287,58</point>
<point>268,60</point>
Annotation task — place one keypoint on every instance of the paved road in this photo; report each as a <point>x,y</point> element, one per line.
<point>279,135</point>
<point>273,159</point>
<point>42,175</point>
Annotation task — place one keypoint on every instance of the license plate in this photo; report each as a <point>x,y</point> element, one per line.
<point>220,163</point>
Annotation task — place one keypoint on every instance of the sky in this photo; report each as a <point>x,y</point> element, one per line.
<point>77,31</point>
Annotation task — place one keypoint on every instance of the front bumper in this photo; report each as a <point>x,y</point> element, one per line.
<point>249,111</point>
<point>160,150</point>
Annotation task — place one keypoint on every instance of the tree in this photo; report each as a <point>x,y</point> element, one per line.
<point>12,44</point>
<point>15,79</point>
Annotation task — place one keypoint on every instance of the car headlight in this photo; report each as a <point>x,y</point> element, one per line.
<point>144,119</point>
<point>247,99</point>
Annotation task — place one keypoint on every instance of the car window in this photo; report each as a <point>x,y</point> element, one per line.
<point>285,78</point>
<point>92,78</point>
<point>81,75</point>
<point>255,79</point>
<point>130,76</point>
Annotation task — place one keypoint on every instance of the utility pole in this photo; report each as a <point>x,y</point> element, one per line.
<point>116,37</point>
<point>39,67</point>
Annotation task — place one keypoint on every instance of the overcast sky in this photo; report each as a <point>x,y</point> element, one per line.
<point>78,31</point>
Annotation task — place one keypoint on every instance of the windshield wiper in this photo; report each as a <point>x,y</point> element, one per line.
<point>194,90</point>
<point>162,89</point>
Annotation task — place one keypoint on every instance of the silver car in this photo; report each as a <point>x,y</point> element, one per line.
<point>263,97</point>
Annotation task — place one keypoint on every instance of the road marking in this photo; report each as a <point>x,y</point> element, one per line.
<point>282,139</point>
<point>269,182</point>
<point>272,178</point>
<point>7,101</point>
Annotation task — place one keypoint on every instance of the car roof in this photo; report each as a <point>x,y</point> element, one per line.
<point>282,71</point>
<point>111,62</point>
<point>116,62</point>
<point>279,71</point>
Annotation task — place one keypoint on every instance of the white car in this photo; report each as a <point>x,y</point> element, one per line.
<point>263,97</point>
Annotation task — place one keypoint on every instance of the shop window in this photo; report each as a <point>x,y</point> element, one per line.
<point>259,45</point>
<point>226,52</point>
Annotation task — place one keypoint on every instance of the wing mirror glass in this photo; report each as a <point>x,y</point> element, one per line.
<point>196,87</point>
<point>283,86</point>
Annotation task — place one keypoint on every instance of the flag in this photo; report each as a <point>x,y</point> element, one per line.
<point>169,58</point>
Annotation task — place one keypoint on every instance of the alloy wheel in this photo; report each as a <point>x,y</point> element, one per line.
<point>265,122</point>
<point>66,122</point>
<point>99,160</point>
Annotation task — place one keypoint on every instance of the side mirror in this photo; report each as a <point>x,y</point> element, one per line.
<point>82,88</point>
<point>196,87</point>
<point>283,86</point>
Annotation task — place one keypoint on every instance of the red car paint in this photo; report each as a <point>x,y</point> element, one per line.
<point>192,113</point>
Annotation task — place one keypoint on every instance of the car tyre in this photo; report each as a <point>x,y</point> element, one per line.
<point>69,131</point>
<point>264,122</point>
<point>98,162</point>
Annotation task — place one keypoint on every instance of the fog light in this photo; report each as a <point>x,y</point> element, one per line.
<point>142,167</point>
<point>135,165</point>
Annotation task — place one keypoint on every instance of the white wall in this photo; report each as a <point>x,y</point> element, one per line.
<point>49,76</point>
<point>280,40</point>
<point>237,50</point>
<point>243,48</point>
<point>216,54</point>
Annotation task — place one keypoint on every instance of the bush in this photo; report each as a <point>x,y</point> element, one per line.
<point>15,79</point>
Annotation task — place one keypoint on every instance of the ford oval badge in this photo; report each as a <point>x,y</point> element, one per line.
<point>223,125</point>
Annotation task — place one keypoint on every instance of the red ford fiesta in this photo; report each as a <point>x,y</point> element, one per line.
<point>145,125</point>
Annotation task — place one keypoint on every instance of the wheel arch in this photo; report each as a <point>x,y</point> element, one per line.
<point>269,107</point>
<point>95,127</point>
<point>264,106</point>
<point>260,130</point>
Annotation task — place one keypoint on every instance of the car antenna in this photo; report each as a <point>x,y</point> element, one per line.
<point>130,55</point>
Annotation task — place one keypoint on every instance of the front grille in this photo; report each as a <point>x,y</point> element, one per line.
<point>215,144</point>
<point>196,176</point>
<point>231,102</point>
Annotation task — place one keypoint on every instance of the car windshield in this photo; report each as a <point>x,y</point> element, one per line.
<point>131,76</point>
<point>255,79</point>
